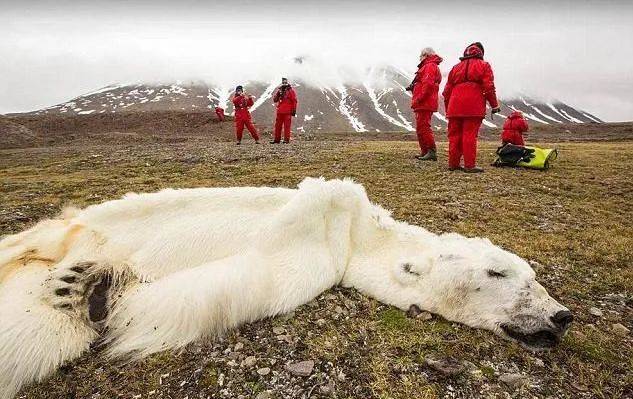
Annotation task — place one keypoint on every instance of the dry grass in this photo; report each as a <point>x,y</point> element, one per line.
<point>575,221</point>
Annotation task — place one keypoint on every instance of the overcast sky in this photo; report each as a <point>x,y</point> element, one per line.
<point>580,52</point>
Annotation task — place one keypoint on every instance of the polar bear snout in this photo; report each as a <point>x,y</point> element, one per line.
<point>562,319</point>
<point>538,333</point>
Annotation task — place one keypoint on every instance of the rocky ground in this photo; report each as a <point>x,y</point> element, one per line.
<point>573,222</point>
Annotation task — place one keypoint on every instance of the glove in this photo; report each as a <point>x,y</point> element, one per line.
<point>409,88</point>
<point>294,112</point>
<point>496,110</point>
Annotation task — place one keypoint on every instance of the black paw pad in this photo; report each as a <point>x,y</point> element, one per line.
<point>69,279</point>
<point>78,269</point>
<point>62,291</point>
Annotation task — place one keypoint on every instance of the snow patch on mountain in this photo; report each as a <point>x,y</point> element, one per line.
<point>268,93</point>
<point>375,99</point>
<point>586,115</point>
<point>347,111</point>
<point>571,118</point>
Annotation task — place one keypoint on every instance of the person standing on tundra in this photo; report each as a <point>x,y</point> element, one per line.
<point>424,101</point>
<point>513,129</point>
<point>285,98</point>
<point>242,102</point>
<point>469,85</point>
<point>219,111</point>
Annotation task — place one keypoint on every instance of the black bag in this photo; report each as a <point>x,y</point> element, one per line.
<point>511,155</point>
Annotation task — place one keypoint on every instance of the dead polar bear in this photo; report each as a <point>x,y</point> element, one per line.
<point>185,264</point>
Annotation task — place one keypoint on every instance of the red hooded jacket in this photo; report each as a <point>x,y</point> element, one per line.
<point>469,85</point>
<point>427,84</point>
<point>286,101</point>
<point>242,104</point>
<point>514,125</point>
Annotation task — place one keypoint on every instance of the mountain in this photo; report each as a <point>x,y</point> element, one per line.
<point>376,101</point>
<point>14,134</point>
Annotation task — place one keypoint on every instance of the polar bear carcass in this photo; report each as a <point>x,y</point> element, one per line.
<point>162,270</point>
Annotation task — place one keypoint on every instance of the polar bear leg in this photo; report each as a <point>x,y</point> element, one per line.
<point>312,203</point>
<point>182,307</point>
<point>35,337</point>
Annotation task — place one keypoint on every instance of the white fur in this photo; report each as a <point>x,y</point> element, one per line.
<point>192,263</point>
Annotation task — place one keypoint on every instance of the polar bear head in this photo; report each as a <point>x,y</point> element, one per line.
<point>467,280</point>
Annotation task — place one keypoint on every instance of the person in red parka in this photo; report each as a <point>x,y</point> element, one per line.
<point>242,102</point>
<point>219,111</point>
<point>424,101</point>
<point>285,98</point>
<point>513,129</point>
<point>469,85</point>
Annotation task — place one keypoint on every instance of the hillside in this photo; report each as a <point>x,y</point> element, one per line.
<point>376,103</point>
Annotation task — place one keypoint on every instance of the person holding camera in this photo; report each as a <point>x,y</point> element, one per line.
<point>469,86</point>
<point>285,98</point>
<point>425,87</point>
<point>242,102</point>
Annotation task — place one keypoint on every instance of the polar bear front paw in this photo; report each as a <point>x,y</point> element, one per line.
<point>69,288</point>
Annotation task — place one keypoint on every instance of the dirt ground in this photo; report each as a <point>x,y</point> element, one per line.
<point>574,223</point>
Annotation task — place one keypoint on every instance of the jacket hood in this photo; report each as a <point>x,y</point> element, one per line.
<point>515,114</point>
<point>475,50</point>
<point>431,58</point>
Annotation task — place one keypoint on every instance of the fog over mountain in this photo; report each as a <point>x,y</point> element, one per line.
<point>578,52</point>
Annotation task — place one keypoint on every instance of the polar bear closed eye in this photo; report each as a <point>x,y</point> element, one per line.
<point>192,263</point>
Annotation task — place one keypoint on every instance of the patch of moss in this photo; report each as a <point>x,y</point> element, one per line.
<point>394,319</point>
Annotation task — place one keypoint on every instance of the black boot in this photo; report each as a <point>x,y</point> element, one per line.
<point>474,169</point>
<point>429,156</point>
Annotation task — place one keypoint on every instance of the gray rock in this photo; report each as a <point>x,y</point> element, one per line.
<point>278,330</point>
<point>287,316</point>
<point>513,380</point>
<point>263,371</point>
<point>595,312</point>
<point>327,389</point>
<point>263,395</point>
<point>249,362</point>
<point>239,346</point>
<point>414,311</point>
<point>321,322</point>
<point>426,316</point>
<point>448,367</point>
<point>620,329</point>
<point>303,369</point>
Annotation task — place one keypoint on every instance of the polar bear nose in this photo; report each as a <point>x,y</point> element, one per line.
<point>562,319</point>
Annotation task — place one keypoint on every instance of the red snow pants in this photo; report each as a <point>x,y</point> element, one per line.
<point>462,141</point>
<point>239,128</point>
<point>282,121</point>
<point>424,132</point>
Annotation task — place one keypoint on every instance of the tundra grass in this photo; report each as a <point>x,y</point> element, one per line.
<point>573,222</point>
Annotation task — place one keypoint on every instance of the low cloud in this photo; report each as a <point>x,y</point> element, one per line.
<point>578,52</point>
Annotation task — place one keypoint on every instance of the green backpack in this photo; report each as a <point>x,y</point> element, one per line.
<point>540,159</point>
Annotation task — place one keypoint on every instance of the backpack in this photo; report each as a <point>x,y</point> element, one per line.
<point>525,156</point>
